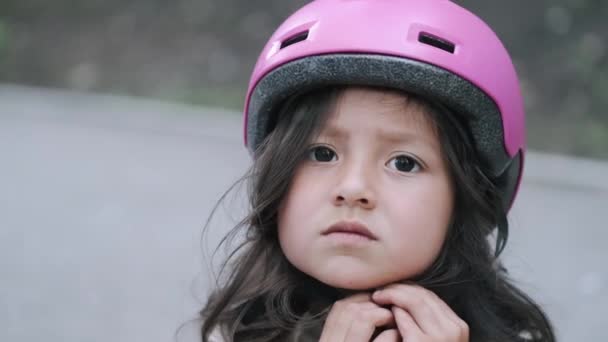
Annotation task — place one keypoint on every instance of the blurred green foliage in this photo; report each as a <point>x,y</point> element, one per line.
<point>3,38</point>
<point>203,51</point>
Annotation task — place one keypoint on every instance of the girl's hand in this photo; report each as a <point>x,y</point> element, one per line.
<point>422,316</point>
<point>355,318</point>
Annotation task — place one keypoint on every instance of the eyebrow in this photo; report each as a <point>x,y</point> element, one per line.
<point>388,135</point>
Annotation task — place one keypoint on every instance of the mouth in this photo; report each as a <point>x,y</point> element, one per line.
<point>352,227</point>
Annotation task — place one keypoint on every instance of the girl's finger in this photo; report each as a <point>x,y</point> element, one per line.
<point>431,313</point>
<point>365,323</point>
<point>450,324</point>
<point>408,328</point>
<point>454,318</point>
<point>389,335</point>
<point>417,302</point>
<point>354,319</point>
<point>340,318</point>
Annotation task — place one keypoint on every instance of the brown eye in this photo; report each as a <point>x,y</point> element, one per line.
<point>321,154</point>
<point>404,163</point>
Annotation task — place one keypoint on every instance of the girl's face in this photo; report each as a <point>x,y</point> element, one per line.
<point>375,166</point>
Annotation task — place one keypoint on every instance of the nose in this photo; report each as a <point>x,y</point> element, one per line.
<point>355,186</point>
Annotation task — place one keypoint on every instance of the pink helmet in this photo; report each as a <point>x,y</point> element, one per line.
<point>433,48</point>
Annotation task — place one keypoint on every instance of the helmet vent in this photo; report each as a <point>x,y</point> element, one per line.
<point>437,42</point>
<point>294,39</point>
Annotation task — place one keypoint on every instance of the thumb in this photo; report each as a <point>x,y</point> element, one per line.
<point>389,335</point>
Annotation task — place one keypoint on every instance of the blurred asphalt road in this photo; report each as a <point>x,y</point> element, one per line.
<point>103,199</point>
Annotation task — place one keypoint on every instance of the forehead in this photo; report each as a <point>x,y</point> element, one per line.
<point>374,109</point>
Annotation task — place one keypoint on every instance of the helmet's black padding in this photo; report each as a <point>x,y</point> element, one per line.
<point>476,109</point>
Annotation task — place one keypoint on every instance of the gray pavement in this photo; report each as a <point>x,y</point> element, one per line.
<point>103,199</point>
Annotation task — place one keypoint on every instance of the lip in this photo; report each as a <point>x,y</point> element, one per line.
<point>351,227</point>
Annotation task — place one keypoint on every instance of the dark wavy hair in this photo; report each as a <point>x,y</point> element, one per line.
<point>260,296</point>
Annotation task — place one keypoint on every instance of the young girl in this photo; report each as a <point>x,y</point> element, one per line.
<point>388,141</point>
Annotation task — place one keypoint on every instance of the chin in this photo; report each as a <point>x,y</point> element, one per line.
<point>348,282</point>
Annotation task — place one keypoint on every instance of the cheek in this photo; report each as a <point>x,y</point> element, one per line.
<point>287,209</point>
<point>285,234</point>
<point>302,198</point>
<point>291,216</point>
<point>421,221</point>
<point>291,233</point>
<point>428,202</point>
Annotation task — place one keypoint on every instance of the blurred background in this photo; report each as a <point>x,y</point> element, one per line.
<point>120,129</point>
<point>202,52</point>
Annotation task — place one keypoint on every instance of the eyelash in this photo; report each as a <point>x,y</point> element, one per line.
<point>311,155</point>
<point>312,150</point>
